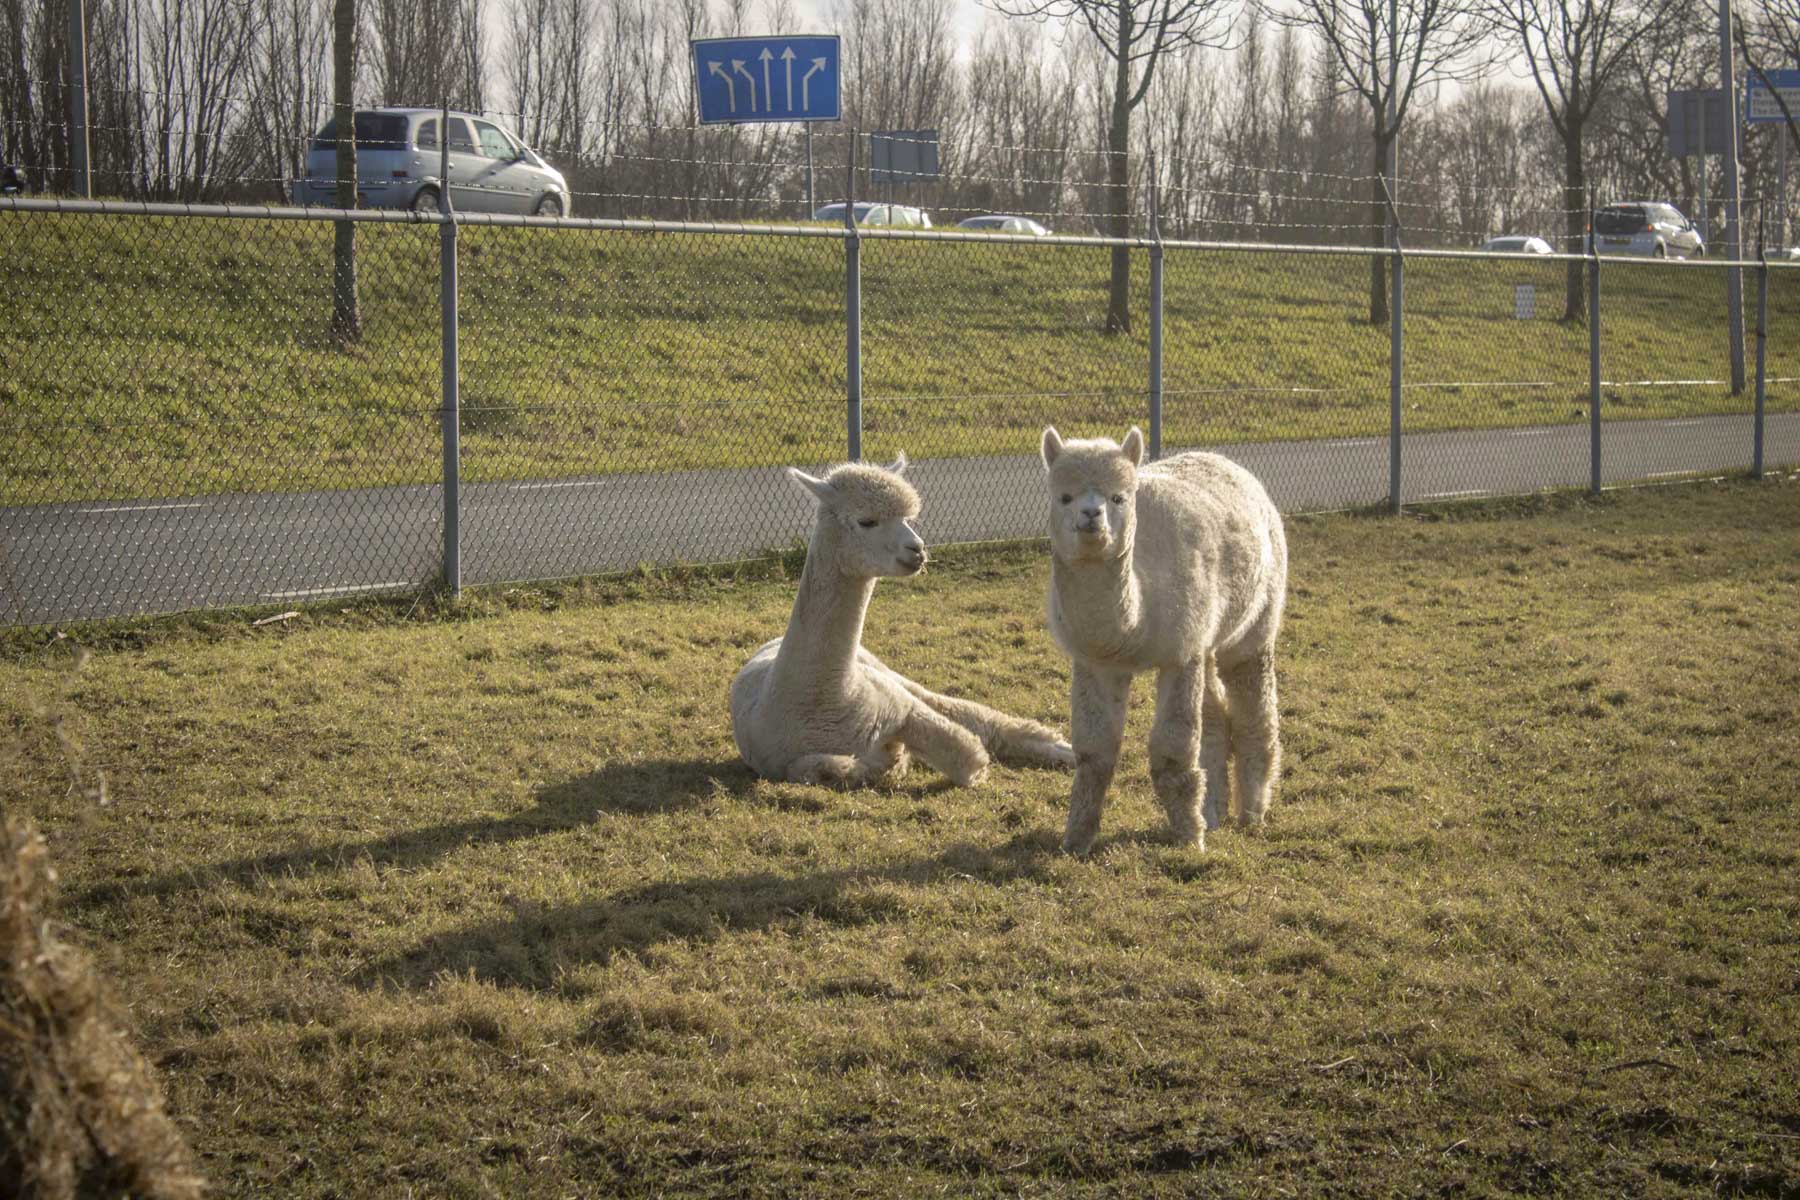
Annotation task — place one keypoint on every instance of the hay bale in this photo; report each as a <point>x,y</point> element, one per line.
<point>80,1110</point>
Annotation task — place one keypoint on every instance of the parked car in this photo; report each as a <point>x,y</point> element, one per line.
<point>1516,244</point>
<point>1003,223</point>
<point>1648,228</point>
<point>398,160</point>
<point>868,212</point>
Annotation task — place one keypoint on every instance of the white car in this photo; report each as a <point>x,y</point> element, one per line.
<point>1514,244</point>
<point>868,212</point>
<point>1647,228</point>
<point>1003,223</point>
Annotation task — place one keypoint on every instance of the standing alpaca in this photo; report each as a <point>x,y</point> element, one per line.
<point>1180,568</point>
<point>814,707</point>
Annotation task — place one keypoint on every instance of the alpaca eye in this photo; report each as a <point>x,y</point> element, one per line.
<point>868,522</point>
<point>1119,499</point>
<point>1066,498</point>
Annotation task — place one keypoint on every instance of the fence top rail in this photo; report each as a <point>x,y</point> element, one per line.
<point>388,216</point>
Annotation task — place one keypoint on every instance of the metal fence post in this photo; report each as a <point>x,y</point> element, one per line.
<point>853,310</point>
<point>1156,322</point>
<point>1396,351</point>
<point>1762,344</point>
<point>81,171</point>
<point>448,300</point>
<point>1593,266</point>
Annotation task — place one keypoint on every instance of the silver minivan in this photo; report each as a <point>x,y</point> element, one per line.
<point>398,161</point>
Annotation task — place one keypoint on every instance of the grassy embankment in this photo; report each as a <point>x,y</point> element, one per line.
<point>482,903</point>
<point>150,357</point>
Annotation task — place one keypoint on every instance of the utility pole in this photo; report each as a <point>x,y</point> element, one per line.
<point>81,174</point>
<point>1734,277</point>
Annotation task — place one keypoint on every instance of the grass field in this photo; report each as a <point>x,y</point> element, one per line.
<point>480,902</point>
<point>153,356</point>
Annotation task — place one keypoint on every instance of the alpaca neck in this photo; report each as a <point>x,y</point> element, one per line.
<point>825,630</point>
<point>1102,600</point>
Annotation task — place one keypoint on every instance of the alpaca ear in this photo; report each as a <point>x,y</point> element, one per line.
<point>1134,447</point>
<point>818,489</point>
<point>1052,446</point>
<point>899,465</point>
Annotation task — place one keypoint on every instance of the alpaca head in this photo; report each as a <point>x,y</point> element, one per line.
<point>1093,491</point>
<point>866,516</point>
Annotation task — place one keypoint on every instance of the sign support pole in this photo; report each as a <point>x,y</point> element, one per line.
<point>852,310</point>
<point>1734,234</point>
<point>1781,220</point>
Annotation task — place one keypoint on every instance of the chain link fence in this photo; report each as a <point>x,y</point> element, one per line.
<point>184,429</point>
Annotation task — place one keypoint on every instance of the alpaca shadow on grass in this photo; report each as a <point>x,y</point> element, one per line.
<point>537,944</point>
<point>618,789</point>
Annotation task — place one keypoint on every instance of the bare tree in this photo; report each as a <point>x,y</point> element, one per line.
<point>1577,51</point>
<point>289,80</point>
<point>1388,51</point>
<point>1628,133</point>
<point>1773,33</point>
<point>1135,35</point>
<point>346,317</point>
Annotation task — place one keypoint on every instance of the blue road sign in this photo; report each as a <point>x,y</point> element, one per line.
<point>1759,102</point>
<point>740,80</point>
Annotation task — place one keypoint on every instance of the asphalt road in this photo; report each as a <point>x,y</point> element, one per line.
<point>67,562</point>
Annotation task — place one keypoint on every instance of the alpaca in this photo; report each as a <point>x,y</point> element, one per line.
<point>814,707</point>
<point>1178,567</point>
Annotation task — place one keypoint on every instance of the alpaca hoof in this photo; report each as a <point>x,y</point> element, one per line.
<point>1187,833</point>
<point>1060,754</point>
<point>1079,845</point>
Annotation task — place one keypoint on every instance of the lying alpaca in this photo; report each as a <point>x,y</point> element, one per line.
<point>1181,568</point>
<point>815,707</point>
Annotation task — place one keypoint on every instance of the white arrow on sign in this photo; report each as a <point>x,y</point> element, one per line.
<point>787,60</point>
<point>737,65</point>
<point>806,84</point>
<point>768,92</point>
<point>730,87</point>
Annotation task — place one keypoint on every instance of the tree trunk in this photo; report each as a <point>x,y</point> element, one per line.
<point>346,320</point>
<point>1574,219</point>
<point>1118,192</point>
<point>1378,221</point>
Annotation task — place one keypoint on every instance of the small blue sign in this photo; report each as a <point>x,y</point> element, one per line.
<point>741,80</point>
<point>1760,104</point>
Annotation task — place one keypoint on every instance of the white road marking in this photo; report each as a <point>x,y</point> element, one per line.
<point>1453,495</point>
<point>1352,442</point>
<point>119,508</point>
<point>567,483</point>
<point>1533,432</point>
<point>1666,474</point>
<point>334,591</point>
<point>1689,421</point>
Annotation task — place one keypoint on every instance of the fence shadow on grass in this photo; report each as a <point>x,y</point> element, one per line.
<point>621,789</point>
<point>534,947</point>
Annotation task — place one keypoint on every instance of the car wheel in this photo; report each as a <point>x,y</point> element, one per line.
<point>426,201</point>
<point>1661,251</point>
<point>550,206</point>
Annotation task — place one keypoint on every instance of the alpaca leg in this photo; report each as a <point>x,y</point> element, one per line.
<point>1175,748</point>
<point>1097,702</point>
<point>1255,732</point>
<point>1011,739</point>
<point>944,744</point>
<point>1215,748</point>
